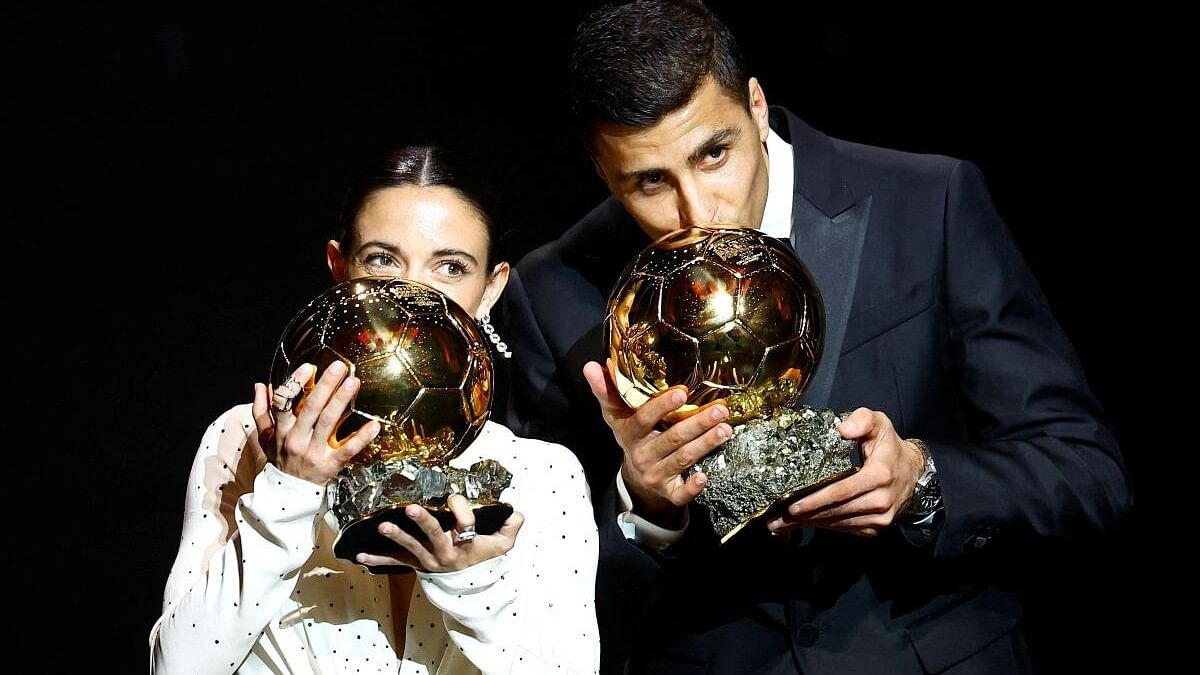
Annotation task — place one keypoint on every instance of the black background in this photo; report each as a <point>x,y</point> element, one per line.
<point>177,169</point>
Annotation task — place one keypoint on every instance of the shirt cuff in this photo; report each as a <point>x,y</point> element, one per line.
<point>477,577</point>
<point>641,530</point>
<point>295,497</point>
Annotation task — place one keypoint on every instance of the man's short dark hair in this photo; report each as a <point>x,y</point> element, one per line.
<point>635,63</point>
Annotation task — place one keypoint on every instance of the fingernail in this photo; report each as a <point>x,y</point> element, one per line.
<point>701,480</point>
<point>722,431</point>
<point>350,384</point>
<point>719,413</point>
<point>337,367</point>
<point>412,511</point>
<point>678,398</point>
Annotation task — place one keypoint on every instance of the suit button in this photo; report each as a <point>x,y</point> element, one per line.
<point>807,634</point>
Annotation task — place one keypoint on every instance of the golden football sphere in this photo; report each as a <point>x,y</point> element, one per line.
<point>426,372</point>
<point>726,311</point>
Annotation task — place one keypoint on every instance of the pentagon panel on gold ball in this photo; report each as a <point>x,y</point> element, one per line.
<point>733,315</point>
<point>426,377</point>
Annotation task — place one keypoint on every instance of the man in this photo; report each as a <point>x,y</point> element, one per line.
<point>936,332</point>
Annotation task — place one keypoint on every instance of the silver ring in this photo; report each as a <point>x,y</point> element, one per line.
<point>465,535</point>
<point>281,402</point>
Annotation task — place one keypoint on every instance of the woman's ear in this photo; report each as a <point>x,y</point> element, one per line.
<point>337,264</point>
<point>497,280</point>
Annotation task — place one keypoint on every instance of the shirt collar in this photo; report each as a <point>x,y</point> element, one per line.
<point>777,216</point>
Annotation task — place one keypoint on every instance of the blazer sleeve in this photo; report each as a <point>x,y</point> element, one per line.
<point>537,405</point>
<point>1041,464</point>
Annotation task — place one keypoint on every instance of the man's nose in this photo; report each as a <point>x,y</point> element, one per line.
<point>695,206</point>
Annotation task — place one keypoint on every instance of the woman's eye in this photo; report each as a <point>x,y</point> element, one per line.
<point>452,268</point>
<point>380,263</point>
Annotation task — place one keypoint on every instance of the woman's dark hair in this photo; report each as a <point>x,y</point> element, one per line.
<point>635,63</point>
<point>419,166</point>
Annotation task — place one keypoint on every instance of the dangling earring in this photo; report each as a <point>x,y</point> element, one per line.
<point>485,322</point>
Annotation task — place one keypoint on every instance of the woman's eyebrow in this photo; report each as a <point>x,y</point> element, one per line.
<point>454,251</point>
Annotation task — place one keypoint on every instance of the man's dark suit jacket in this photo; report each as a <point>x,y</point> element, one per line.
<point>934,319</point>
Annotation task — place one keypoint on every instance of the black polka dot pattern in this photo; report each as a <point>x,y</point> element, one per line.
<point>256,565</point>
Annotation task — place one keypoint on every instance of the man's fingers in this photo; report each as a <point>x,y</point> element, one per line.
<point>603,388</point>
<point>686,442</point>
<point>682,492</point>
<point>839,492</point>
<point>647,417</point>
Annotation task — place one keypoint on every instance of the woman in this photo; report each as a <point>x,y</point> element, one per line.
<point>255,587</point>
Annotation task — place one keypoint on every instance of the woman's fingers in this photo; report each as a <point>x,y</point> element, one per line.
<point>315,401</point>
<point>464,518</point>
<point>335,411</point>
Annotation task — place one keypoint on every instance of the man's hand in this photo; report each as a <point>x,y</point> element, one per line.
<point>654,460</point>
<point>868,501</point>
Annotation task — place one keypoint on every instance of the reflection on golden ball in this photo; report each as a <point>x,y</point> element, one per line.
<point>729,312</point>
<point>426,372</point>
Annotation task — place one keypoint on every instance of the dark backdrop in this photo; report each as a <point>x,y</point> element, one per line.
<point>176,170</point>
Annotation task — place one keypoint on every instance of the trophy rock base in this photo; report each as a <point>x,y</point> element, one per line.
<point>770,461</point>
<point>360,498</point>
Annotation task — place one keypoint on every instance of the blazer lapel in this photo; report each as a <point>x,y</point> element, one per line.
<point>829,225</point>
<point>831,249</point>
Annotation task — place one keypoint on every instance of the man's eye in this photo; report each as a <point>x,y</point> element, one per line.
<point>652,182</point>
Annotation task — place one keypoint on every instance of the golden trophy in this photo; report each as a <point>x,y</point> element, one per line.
<point>426,376</point>
<point>734,316</point>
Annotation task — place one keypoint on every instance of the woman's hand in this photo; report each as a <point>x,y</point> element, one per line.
<point>442,551</point>
<point>299,438</point>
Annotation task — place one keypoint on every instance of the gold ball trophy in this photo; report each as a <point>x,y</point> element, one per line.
<point>733,315</point>
<point>426,376</point>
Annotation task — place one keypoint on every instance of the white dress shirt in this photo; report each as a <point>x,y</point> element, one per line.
<point>256,589</point>
<point>776,222</point>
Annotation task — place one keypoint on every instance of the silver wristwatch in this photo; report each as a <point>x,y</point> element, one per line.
<point>927,496</point>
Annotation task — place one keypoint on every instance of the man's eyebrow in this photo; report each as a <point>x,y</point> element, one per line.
<point>718,138</point>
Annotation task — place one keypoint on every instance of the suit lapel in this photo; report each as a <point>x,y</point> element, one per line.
<point>829,225</point>
<point>831,249</point>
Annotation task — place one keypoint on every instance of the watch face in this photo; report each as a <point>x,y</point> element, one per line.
<point>931,496</point>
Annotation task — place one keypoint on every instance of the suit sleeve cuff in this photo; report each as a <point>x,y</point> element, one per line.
<point>639,529</point>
